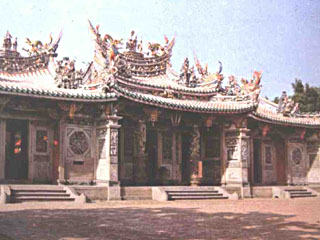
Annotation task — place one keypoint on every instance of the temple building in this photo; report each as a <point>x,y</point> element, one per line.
<point>129,119</point>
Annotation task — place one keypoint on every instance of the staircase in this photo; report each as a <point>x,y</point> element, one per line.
<point>299,193</point>
<point>195,195</point>
<point>27,193</point>
<point>189,193</point>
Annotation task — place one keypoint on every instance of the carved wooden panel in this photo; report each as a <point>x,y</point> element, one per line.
<point>244,150</point>
<point>41,141</point>
<point>41,158</point>
<point>232,149</point>
<point>297,163</point>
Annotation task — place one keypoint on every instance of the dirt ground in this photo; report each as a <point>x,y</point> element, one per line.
<point>206,219</point>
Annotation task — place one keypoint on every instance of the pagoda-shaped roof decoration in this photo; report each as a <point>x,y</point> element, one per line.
<point>109,54</point>
<point>39,54</point>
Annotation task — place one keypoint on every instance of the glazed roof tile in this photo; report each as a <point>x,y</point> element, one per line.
<point>165,81</point>
<point>40,83</point>
<point>268,111</point>
<point>224,107</point>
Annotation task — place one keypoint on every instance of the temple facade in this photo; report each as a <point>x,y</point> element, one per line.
<point>129,119</point>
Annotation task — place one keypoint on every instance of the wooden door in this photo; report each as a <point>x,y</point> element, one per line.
<point>41,137</point>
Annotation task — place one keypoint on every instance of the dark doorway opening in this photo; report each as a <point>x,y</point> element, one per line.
<point>16,163</point>
<point>152,150</point>
<point>280,159</point>
<point>185,166</point>
<point>257,166</point>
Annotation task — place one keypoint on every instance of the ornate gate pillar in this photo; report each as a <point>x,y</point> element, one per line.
<point>195,160</point>
<point>236,157</point>
<point>141,156</point>
<point>107,163</point>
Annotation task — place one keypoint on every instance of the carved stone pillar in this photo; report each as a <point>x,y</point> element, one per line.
<point>62,144</point>
<point>237,157</point>
<point>141,156</point>
<point>107,163</point>
<point>195,161</point>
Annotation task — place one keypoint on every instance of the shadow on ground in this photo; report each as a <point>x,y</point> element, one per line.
<point>151,223</point>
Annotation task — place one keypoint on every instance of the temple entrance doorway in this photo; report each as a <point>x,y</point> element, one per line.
<point>152,151</point>
<point>16,161</point>
<point>257,163</point>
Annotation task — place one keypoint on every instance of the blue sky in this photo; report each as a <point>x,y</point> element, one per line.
<point>281,37</point>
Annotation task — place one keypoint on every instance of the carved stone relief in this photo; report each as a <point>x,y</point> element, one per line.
<point>102,132</point>
<point>296,156</point>
<point>114,142</point>
<point>244,150</point>
<point>232,148</point>
<point>298,164</point>
<point>79,143</point>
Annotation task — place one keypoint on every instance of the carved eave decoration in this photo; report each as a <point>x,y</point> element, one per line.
<point>70,108</point>
<point>265,129</point>
<point>175,119</point>
<point>153,114</point>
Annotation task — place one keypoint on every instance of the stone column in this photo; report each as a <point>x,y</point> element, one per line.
<point>195,161</point>
<point>107,164</point>
<point>237,157</point>
<point>141,156</point>
<point>62,145</point>
<point>2,148</point>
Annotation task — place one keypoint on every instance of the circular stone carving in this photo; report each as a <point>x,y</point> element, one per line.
<point>297,156</point>
<point>78,143</point>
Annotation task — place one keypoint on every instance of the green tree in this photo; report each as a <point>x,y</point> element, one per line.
<point>307,96</point>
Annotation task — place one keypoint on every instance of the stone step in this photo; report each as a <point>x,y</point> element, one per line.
<point>36,187</point>
<point>195,194</point>
<point>303,196</point>
<point>195,191</point>
<point>37,190</point>
<point>300,193</point>
<point>26,193</point>
<point>41,194</point>
<point>296,190</point>
<point>196,197</point>
<point>136,198</point>
<point>18,199</point>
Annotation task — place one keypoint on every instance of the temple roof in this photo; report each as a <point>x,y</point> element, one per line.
<point>143,78</point>
<point>268,111</point>
<point>41,83</point>
<point>192,105</point>
<point>37,75</point>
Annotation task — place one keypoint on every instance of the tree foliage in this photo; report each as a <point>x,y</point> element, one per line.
<point>307,96</point>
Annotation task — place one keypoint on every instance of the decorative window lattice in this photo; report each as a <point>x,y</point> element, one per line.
<point>79,143</point>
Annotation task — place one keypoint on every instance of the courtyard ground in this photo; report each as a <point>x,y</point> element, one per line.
<point>207,219</point>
